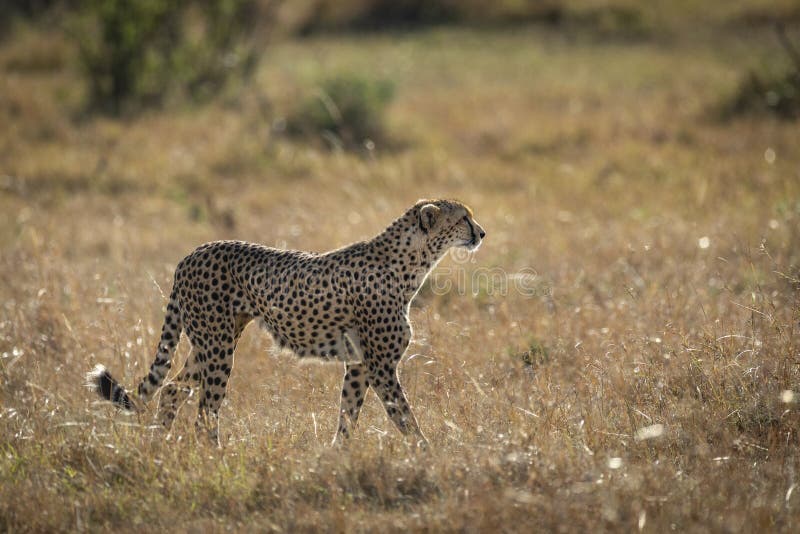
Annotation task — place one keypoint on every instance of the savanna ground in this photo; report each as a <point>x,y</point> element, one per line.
<point>667,293</point>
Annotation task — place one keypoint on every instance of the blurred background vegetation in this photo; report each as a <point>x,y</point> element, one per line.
<point>137,55</point>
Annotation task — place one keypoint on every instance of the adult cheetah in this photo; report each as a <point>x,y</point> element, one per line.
<point>349,304</point>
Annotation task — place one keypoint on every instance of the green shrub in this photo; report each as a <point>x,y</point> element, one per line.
<point>776,91</point>
<point>775,94</point>
<point>345,111</point>
<point>135,53</point>
<point>535,356</point>
<point>616,22</point>
<point>25,10</point>
<point>379,14</point>
<point>613,20</point>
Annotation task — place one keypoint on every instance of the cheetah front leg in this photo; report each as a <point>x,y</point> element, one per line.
<point>388,388</point>
<point>215,362</point>
<point>213,385</point>
<point>354,389</point>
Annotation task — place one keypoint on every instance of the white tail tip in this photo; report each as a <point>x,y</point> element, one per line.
<point>93,375</point>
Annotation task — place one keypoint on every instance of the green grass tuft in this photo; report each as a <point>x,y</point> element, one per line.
<point>345,111</point>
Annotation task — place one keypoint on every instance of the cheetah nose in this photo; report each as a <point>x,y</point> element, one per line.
<point>482,234</point>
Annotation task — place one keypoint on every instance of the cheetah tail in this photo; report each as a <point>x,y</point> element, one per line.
<point>170,335</point>
<point>101,381</point>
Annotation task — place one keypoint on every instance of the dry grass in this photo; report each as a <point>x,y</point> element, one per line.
<point>590,162</point>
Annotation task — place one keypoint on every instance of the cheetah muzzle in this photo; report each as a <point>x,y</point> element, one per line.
<point>350,304</point>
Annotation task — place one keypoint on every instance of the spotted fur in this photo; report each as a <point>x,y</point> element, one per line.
<point>349,304</point>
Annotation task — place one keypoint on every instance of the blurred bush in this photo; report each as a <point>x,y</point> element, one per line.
<point>346,111</point>
<point>771,90</point>
<point>618,19</point>
<point>136,53</point>
<point>535,355</point>
<point>22,9</point>
<point>611,21</point>
<point>775,94</point>
<point>378,14</point>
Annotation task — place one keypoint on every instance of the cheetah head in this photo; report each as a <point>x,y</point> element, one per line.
<point>448,223</point>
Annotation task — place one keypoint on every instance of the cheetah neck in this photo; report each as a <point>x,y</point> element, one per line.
<point>410,261</point>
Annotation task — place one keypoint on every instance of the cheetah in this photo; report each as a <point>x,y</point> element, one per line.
<point>349,304</point>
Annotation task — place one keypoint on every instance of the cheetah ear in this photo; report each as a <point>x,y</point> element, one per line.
<point>427,216</point>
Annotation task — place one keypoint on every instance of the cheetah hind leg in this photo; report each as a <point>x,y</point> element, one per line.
<point>354,389</point>
<point>175,393</point>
